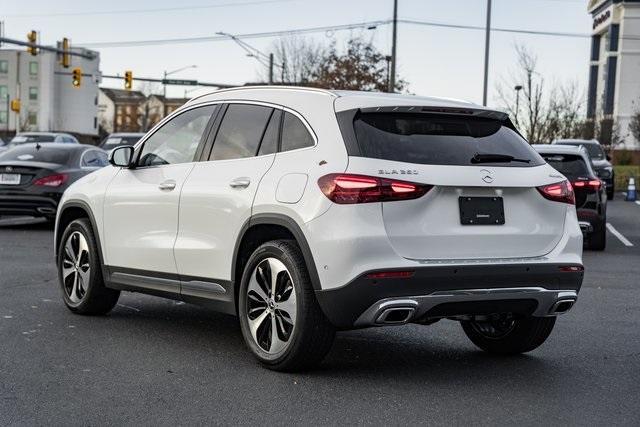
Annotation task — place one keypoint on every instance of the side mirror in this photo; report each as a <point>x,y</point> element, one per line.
<point>121,156</point>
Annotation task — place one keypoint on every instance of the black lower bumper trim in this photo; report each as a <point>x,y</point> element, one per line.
<point>344,305</point>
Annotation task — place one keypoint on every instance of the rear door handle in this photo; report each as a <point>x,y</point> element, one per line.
<point>242,182</point>
<point>167,185</point>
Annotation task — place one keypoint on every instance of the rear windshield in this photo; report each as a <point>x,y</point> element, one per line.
<point>434,139</point>
<point>32,154</point>
<point>569,165</point>
<point>24,139</point>
<point>595,151</point>
<point>115,141</point>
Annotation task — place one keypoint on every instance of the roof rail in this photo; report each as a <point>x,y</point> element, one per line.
<point>267,87</point>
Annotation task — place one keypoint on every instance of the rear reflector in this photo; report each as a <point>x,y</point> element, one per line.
<point>52,180</point>
<point>390,275</point>
<point>558,192</point>
<point>571,268</point>
<point>344,189</point>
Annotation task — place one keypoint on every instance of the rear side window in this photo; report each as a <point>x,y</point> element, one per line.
<point>569,165</point>
<point>294,134</point>
<point>435,139</point>
<point>94,158</point>
<point>240,132</point>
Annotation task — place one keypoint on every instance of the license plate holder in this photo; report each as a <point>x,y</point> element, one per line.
<point>481,210</point>
<point>10,178</point>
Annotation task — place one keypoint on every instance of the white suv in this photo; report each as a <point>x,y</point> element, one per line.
<point>303,211</point>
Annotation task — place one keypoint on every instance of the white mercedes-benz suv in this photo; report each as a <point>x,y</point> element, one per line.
<point>306,211</point>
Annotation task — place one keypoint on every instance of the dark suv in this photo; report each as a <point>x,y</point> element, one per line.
<point>590,190</point>
<point>600,160</point>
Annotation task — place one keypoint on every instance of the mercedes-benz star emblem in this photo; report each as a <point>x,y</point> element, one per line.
<point>8,169</point>
<point>487,176</point>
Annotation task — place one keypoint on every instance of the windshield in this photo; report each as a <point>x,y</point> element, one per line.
<point>31,153</point>
<point>595,150</point>
<point>24,139</point>
<point>114,141</point>
<point>435,139</point>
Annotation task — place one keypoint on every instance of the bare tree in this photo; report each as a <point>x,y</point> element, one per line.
<point>542,115</point>
<point>296,59</point>
<point>634,125</point>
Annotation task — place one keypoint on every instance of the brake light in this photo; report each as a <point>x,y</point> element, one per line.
<point>593,184</point>
<point>347,189</point>
<point>558,192</point>
<point>52,180</point>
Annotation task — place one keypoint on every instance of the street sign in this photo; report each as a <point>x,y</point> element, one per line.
<point>180,82</point>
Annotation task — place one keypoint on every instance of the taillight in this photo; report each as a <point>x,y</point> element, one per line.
<point>558,192</point>
<point>343,188</point>
<point>52,180</point>
<point>592,184</point>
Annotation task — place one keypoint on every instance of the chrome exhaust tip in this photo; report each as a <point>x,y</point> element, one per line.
<point>395,316</point>
<point>562,306</point>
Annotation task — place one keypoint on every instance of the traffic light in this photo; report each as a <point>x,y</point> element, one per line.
<point>32,37</point>
<point>76,76</point>
<point>15,105</point>
<point>128,80</point>
<point>66,58</point>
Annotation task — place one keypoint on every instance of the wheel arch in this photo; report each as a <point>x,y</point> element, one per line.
<point>69,212</point>
<point>264,227</point>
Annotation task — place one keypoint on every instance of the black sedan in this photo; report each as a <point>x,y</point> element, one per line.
<point>34,176</point>
<point>590,191</point>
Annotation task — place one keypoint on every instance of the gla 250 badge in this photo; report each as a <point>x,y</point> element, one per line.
<point>397,172</point>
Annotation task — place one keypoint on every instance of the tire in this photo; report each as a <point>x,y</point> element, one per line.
<point>523,335</point>
<point>302,335</point>
<point>610,194</point>
<point>74,271</point>
<point>597,241</point>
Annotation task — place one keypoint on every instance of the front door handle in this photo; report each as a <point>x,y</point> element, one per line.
<point>242,182</point>
<point>167,185</point>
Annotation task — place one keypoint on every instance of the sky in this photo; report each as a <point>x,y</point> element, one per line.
<point>435,61</point>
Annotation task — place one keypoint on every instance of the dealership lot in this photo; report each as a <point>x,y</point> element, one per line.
<point>154,361</point>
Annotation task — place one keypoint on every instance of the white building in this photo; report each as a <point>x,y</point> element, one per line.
<point>49,101</point>
<point>614,74</point>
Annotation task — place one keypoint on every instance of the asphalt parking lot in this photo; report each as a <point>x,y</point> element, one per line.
<point>158,362</point>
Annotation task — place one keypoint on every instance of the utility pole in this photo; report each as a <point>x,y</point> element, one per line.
<point>271,68</point>
<point>486,53</point>
<point>517,88</point>
<point>392,78</point>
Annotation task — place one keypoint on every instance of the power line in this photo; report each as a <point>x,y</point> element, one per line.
<point>155,10</point>
<point>331,28</point>
<point>201,39</point>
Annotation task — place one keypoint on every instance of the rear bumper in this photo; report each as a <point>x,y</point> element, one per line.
<point>17,204</point>
<point>447,291</point>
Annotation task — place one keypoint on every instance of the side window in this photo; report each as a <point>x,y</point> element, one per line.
<point>93,159</point>
<point>177,140</point>
<point>294,134</point>
<point>240,132</point>
<point>269,144</point>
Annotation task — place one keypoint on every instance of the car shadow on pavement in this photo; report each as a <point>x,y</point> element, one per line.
<point>374,353</point>
<point>25,223</point>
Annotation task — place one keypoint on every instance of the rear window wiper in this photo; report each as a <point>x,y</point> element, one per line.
<point>496,158</point>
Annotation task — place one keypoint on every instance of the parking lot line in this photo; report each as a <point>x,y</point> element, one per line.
<point>619,235</point>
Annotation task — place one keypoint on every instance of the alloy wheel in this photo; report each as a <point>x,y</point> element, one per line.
<point>76,269</point>
<point>271,306</point>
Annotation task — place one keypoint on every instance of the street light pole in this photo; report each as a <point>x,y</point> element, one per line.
<point>168,73</point>
<point>392,78</point>
<point>486,53</point>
